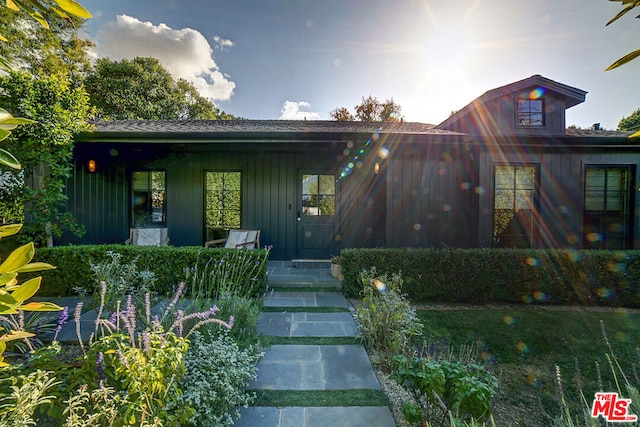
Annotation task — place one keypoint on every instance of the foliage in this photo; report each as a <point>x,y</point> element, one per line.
<point>98,407</point>
<point>386,320</point>
<point>630,123</point>
<point>479,276</point>
<point>167,263</point>
<point>626,384</point>
<point>44,51</point>
<point>14,295</point>
<point>146,371</point>
<point>45,150</point>
<point>370,110</point>
<point>142,89</point>
<point>627,6</point>
<point>462,390</point>
<point>217,373</point>
<point>236,273</point>
<point>341,114</point>
<point>28,393</point>
<point>119,280</point>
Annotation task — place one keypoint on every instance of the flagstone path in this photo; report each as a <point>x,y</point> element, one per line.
<point>294,367</point>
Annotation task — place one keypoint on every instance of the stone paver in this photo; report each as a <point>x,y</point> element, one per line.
<point>305,299</point>
<point>315,367</point>
<point>307,324</point>
<point>351,416</point>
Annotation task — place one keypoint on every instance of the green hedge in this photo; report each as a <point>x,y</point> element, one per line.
<point>168,264</point>
<point>479,276</point>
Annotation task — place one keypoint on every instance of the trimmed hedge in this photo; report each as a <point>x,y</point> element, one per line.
<point>479,276</point>
<point>168,264</point>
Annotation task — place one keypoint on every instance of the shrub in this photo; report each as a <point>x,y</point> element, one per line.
<point>217,373</point>
<point>386,320</point>
<point>478,276</point>
<point>167,263</point>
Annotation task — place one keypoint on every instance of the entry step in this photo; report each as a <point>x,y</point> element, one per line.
<point>311,263</point>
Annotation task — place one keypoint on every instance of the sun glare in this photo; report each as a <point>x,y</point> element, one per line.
<point>447,50</point>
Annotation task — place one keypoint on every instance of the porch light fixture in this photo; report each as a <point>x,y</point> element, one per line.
<point>91,166</point>
<point>376,168</point>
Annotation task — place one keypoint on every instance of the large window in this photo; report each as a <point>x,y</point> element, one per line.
<point>318,195</point>
<point>148,199</point>
<point>607,208</point>
<point>530,112</point>
<point>514,224</point>
<point>222,203</point>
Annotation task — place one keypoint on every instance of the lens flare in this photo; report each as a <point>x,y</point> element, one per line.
<point>523,348</point>
<point>379,285</point>
<point>537,93</point>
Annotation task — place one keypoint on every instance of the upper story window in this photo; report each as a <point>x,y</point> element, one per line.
<point>530,112</point>
<point>148,198</point>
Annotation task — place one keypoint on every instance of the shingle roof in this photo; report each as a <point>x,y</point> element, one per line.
<point>258,126</point>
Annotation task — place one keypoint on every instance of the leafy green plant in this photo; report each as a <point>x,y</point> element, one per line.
<point>386,320</point>
<point>115,280</point>
<point>217,374</point>
<point>28,394</point>
<point>463,391</point>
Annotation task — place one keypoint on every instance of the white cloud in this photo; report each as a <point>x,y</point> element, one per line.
<point>291,111</point>
<point>185,53</point>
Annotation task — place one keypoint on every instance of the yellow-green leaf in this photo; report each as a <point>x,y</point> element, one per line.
<point>7,299</point>
<point>18,258</point>
<point>26,290</point>
<point>9,230</point>
<point>15,121</point>
<point>627,58</point>
<point>635,135</point>
<point>40,306</point>
<point>74,8</point>
<point>36,266</point>
<point>16,335</point>
<point>6,158</point>
<point>13,6</point>
<point>4,39</point>
<point>7,280</point>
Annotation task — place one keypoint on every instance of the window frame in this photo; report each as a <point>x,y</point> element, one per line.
<point>150,190</point>
<point>533,237</point>
<point>528,112</point>
<point>627,211</point>
<point>216,233</point>
<point>306,210</point>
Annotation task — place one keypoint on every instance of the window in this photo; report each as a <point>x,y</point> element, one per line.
<point>148,198</point>
<point>222,203</point>
<point>514,206</point>
<point>318,195</point>
<point>530,112</point>
<point>607,208</point>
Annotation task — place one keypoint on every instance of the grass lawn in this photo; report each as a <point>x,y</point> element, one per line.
<point>527,344</point>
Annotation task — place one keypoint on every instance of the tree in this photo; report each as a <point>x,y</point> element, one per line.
<point>630,123</point>
<point>370,110</point>
<point>627,6</point>
<point>44,148</point>
<point>341,115</point>
<point>44,52</point>
<point>142,89</point>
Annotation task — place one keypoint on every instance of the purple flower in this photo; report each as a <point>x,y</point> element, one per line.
<point>99,365</point>
<point>64,316</point>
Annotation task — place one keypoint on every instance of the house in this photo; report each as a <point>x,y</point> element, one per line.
<point>502,172</point>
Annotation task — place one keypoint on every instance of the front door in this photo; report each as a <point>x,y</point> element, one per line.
<point>316,215</point>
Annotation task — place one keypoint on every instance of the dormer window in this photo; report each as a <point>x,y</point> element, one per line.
<point>530,112</point>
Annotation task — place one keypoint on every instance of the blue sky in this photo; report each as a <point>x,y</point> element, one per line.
<point>272,59</point>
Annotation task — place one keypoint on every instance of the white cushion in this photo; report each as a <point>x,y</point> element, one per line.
<point>236,238</point>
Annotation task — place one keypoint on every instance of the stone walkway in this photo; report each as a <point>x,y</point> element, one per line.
<point>311,367</point>
<point>298,367</point>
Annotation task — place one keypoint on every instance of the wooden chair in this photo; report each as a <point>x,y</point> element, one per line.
<point>249,239</point>
<point>148,237</point>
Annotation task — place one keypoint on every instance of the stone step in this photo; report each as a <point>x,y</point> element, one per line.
<point>307,325</point>
<point>311,264</point>
<point>315,367</point>
<point>352,416</point>
<point>305,299</point>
